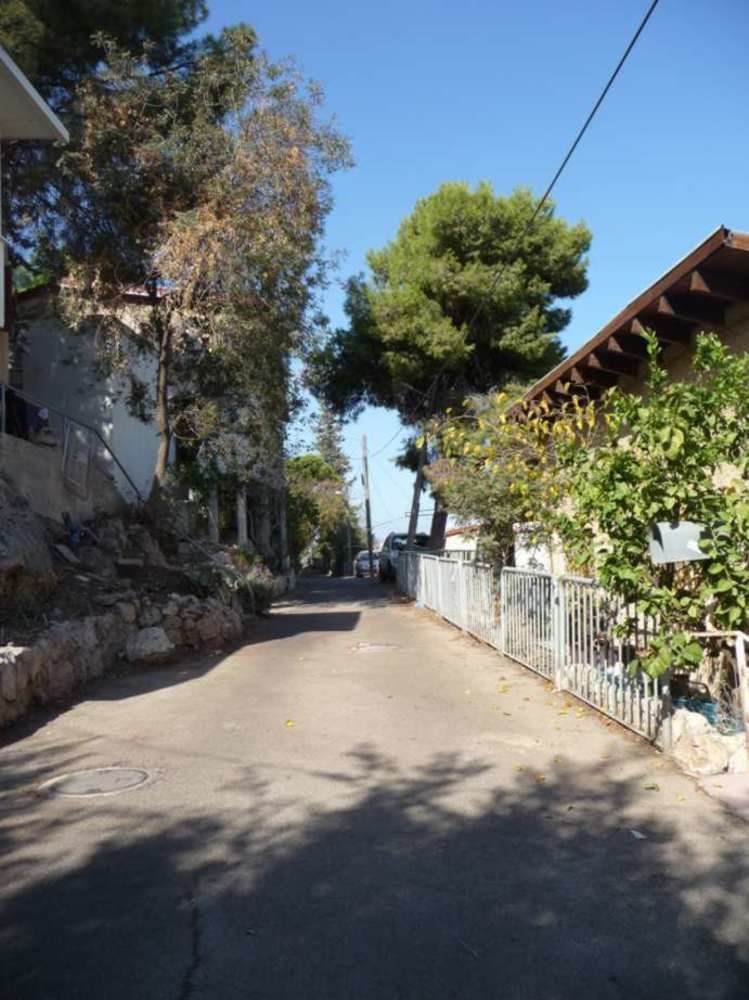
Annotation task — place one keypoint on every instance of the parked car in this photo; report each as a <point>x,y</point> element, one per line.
<point>391,549</point>
<point>361,564</point>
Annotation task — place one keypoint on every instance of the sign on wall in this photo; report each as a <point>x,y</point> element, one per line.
<point>76,459</point>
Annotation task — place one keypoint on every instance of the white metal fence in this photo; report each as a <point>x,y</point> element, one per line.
<point>527,617</point>
<point>561,627</point>
<point>461,591</point>
<point>596,665</point>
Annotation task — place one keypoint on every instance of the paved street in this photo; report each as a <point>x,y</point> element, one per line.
<point>361,803</point>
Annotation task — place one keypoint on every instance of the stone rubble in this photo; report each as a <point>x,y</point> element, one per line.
<point>702,750</point>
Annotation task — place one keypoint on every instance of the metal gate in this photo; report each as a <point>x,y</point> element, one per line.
<point>566,629</point>
<point>597,664</point>
<point>528,612</point>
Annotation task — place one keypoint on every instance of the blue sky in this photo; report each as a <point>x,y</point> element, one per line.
<point>495,90</point>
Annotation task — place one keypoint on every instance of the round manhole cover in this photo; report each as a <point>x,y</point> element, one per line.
<point>100,781</point>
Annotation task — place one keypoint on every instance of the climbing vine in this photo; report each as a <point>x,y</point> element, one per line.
<point>597,476</point>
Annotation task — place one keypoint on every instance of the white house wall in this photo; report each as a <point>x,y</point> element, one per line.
<point>59,369</point>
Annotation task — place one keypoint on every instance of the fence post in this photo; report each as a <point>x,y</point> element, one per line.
<point>743,672</point>
<point>503,612</point>
<point>666,723</point>
<point>557,632</point>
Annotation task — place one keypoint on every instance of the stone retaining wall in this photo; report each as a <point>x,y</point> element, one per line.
<point>135,629</point>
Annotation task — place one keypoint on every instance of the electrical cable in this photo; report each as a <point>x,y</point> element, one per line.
<point>568,155</point>
<point>381,524</point>
<point>547,193</point>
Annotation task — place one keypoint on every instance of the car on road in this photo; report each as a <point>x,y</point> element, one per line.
<point>391,549</point>
<point>361,564</point>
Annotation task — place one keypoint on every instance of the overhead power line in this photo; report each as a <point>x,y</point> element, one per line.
<point>423,513</point>
<point>569,154</point>
<point>547,193</point>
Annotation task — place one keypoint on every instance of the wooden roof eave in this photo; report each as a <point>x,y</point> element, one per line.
<point>688,295</point>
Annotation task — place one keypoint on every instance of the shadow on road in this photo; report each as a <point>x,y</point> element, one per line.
<point>363,592</point>
<point>536,891</point>
<point>283,622</point>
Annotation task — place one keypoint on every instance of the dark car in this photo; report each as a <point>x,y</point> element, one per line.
<point>392,547</point>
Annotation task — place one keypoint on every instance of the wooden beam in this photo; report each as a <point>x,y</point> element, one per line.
<point>721,239</point>
<point>614,361</point>
<point>693,309</point>
<point>563,387</point>
<point>719,286</point>
<point>593,376</point>
<point>667,330</point>
<point>628,344</point>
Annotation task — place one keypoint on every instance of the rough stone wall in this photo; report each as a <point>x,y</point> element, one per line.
<point>134,629</point>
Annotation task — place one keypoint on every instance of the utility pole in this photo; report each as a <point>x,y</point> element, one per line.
<point>367,508</point>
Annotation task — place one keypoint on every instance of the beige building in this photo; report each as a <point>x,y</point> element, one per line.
<point>708,290</point>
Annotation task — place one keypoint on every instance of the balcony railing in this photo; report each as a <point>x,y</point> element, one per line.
<point>80,444</point>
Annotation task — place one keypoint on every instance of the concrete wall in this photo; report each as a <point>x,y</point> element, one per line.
<point>544,557</point>
<point>466,543</point>
<point>35,471</point>
<point>60,369</point>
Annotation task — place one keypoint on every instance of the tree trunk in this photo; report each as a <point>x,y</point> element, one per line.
<point>213,529</point>
<point>413,522</point>
<point>162,404</point>
<point>439,522</point>
<point>284,534</point>
<point>242,515</point>
<point>263,524</point>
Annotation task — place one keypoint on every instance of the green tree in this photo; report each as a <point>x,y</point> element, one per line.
<point>208,187</point>
<point>54,45</point>
<point>459,302</point>
<point>317,510</point>
<point>462,301</point>
<point>329,443</point>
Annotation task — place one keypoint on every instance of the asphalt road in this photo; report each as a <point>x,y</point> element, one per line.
<point>361,803</point>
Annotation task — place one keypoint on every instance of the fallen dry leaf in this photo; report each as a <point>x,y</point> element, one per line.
<point>289,723</point>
